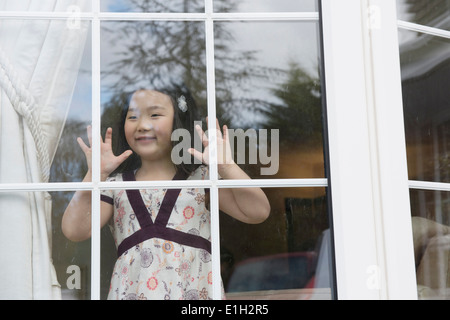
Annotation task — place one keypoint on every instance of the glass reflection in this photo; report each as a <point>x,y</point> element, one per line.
<point>188,6</point>
<point>287,256</point>
<point>270,90</point>
<point>38,262</point>
<point>153,54</point>
<point>69,163</point>
<point>431,234</point>
<point>72,6</point>
<point>265,5</point>
<point>167,57</point>
<point>72,260</point>
<point>433,13</point>
<point>53,58</point>
<point>425,75</point>
<point>162,253</point>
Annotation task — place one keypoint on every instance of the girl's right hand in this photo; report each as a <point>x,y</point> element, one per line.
<point>108,161</point>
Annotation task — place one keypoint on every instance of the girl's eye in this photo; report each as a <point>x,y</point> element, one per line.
<point>132,118</point>
<point>155,115</point>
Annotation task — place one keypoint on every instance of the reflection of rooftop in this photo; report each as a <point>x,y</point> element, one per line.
<point>425,12</point>
<point>424,54</point>
<point>425,63</point>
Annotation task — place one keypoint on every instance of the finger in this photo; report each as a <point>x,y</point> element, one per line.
<point>124,156</point>
<point>225,132</point>
<point>89,134</point>
<point>83,145</point>
<point>197,154</point>
<point>219,133</point>
<point>202,135</point>
<point>108,136</point>
<point>228,153</point>
<point>217,124</point>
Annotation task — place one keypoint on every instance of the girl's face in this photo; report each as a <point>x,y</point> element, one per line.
<point>149,123</point>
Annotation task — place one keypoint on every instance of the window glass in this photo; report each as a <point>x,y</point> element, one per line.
<point>162,56</point>
<point>72,259</point>
<point>50,75</point>
<point>268,91</point>
<point>72,6</point>
<point>47,66</point>
<point>69,162</point>
<point>176,263</point>
<point>153,6</point>
<point>265,6</point>
<point>432,13</point>
<point>425,72</point>
<point>431,231</point>
<point>287,257</point>
<point>36,252</point>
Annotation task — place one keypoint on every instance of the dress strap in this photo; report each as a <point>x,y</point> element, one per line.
<point>137,203</point>
<point>150,229</point>
<point>169,200</point>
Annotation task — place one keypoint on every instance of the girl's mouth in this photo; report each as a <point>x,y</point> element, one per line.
<point>145,138</point>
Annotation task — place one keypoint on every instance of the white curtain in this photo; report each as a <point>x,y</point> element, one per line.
<point>39,64</point>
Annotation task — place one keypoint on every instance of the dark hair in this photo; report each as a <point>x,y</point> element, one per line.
<point>184,120</point>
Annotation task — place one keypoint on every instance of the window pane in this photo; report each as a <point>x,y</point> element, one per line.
<point>47,75</point>
<point>433,13</point>
<point>72,259</point>
<point>425,80</point>
<point>164,250</point>
<point>69,163</point>
<point>265,6</point>
<point>431,230</point>
<point>47,5</point>
<point>268,90</point>
<point>190,6</point>
<point>168,57</point>
<point>38,261</point>
<point>286,257</point>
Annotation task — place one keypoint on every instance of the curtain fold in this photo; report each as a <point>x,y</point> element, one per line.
<point>39,64</point>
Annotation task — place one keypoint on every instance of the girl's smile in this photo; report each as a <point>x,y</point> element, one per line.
<point>145,139</point>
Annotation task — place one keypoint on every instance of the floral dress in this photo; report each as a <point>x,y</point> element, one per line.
<point>163,241</point>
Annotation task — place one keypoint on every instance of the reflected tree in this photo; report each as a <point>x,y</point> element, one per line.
<point>299,114</point>
<point>69,165</point>
<point>142,54</point>
<point>157,53</point>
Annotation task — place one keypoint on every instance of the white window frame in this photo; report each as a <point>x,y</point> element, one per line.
<point>368,178</point>
<point>369,182</point>
<point>96,16</point>
<point>370,186</point>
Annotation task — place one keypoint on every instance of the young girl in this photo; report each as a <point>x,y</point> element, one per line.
<point>162,236</point>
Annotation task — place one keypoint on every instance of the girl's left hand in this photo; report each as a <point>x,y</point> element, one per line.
<point>224,154</point>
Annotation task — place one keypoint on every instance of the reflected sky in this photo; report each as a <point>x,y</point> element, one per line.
<point>81,105</point>
<point>219,6</point>
<point>268,5</point>
<point>275,46</point>
<point>39,5</point>
<point>152,6</point>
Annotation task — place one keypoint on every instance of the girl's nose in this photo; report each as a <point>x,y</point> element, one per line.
<point>144,125</point>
